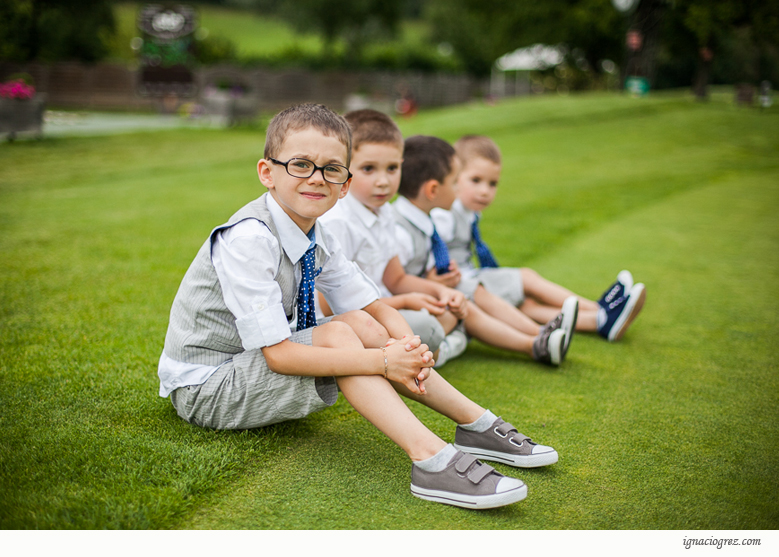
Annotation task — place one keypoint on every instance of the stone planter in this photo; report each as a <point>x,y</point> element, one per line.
<point>22,115</point>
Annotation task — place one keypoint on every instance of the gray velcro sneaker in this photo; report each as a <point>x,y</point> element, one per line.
<point>503,443</point>
<point>467,483</point>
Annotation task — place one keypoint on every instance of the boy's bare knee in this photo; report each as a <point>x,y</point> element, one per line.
<point>371,333</point>
<point>335,334</point>
<point>528,274</point>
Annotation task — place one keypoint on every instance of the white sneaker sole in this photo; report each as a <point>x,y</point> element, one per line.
<point>471,501</point>
<point>556,346</point>
<point>518,461</point>
<point>570,315</point>
<point>633,307</point>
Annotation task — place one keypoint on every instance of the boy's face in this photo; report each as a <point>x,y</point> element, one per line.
<point>305,199</point>
<point>478,183</point>
<point>376,169</point>
<point>447,191</point>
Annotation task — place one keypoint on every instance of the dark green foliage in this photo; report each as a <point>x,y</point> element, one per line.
<point>52,30</point>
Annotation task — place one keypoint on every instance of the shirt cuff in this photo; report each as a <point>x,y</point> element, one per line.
<point>265,326</point>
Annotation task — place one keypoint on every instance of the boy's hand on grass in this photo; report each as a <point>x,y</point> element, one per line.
<point>418,301</point>
<point>413,364</point>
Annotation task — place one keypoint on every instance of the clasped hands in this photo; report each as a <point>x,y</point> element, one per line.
<point>409,362</point>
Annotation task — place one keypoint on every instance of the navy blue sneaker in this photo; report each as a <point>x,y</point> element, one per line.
<point>620,312</point>
<point>621,287</point>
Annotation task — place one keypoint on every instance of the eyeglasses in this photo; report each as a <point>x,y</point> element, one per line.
<point>304,168</point>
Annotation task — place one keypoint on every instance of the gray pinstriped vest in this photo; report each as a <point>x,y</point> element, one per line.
<point>419,240</point>
<point>460,246</point>
<point>202,330</point>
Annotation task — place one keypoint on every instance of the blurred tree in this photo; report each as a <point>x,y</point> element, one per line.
<point>52,30</point>
<point>480,31</point>
<point>357,22</point>
<point>745,29</point>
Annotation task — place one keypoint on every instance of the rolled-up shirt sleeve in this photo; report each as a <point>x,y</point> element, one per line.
<point>342,282</point>
<point>245,258</point>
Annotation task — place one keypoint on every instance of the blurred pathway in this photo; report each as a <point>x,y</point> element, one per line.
<point>64,124</point>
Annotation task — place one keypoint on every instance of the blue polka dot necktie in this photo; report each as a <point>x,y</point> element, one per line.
<point>486,259</point>
<point>306,306</point>
<point>440,253</point>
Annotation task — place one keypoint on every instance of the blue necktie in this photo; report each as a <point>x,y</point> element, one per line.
<point>441,253</point>
<point>306,306</point>
<point>486,259</point>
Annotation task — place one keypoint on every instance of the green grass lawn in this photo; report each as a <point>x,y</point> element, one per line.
<point>676,427</point>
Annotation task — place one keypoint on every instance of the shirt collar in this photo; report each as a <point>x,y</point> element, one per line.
<point>294,241</point>
<point>458,207</point>
<point>415,215</point>
<point>365,215</point>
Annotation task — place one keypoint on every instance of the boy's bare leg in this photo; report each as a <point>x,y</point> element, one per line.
<point>448,321</point>
<point>587,320</point>
<point>501,310</point>
<point>550,293</point>
<point>374,397</point>
<point>369,331</point>
<point>494,332</point>
<point>445,399</point>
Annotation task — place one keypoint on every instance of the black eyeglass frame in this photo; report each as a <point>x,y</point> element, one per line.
<point>320,168</point>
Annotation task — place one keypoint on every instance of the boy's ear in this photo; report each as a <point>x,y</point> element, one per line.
<point>430,189</point>
<point>345,188</point>
<point>264,173</point>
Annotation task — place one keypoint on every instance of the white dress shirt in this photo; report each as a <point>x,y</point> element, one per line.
<point>367,238</point>
<point>444,223</point>
<point>246,259</point>
<point>421,220</point>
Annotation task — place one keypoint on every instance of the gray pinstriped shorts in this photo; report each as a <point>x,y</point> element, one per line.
<point>505,282</point>
<point>244,393</point>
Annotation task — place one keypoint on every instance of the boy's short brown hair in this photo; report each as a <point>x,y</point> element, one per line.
<point>424,158</point>
<point>302,117</point>
<point>472,146</point>
<point>372,126</point>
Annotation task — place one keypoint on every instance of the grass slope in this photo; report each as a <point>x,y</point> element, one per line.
<point>676,427</point>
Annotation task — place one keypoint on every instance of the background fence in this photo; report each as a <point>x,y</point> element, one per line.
<point>114,86</point>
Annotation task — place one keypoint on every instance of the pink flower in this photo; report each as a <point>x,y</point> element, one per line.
<point>16,89</point>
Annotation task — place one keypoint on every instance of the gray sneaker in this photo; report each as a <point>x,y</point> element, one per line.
<point>549,346</point>
<point>503,443</point>
<point>467,483</point>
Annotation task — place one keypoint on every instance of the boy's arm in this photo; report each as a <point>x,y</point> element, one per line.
<point>398,281</point>
<point>389,318</point>
<point>416,301</point>
<point>403,365</point>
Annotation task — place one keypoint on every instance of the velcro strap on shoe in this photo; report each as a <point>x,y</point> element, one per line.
<point>518,439</point>
<point>464,463</point>
<point>505,428</point>
<point>480,472</point>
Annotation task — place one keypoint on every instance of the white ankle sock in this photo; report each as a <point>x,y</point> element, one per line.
<point>482,424</point>
<point>438,461</point>
<point>602,317</point>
